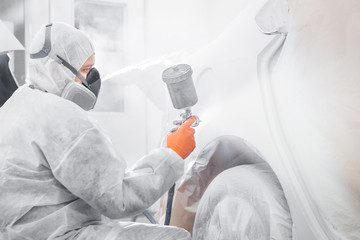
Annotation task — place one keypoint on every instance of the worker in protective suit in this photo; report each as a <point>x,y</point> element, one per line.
<point>60,177</point>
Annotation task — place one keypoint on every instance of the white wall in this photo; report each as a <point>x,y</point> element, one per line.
<point>189,24</point>
<point>175,25</point>
<point>221,13</point>
<point>62,11</point>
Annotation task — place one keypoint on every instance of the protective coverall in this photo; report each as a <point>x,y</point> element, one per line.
<point>60,177</point>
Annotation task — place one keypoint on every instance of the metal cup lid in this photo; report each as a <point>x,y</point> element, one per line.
<point>177,73</point>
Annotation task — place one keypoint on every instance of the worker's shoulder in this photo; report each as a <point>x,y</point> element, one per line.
<point>57,105</point>
<point>51,106</point>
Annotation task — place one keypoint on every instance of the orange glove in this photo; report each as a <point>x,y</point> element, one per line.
<point>182,141</point>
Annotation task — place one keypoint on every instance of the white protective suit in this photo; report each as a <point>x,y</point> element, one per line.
<point>60,177</point>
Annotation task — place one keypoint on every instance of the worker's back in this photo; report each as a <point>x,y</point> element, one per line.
<point>32,200</point>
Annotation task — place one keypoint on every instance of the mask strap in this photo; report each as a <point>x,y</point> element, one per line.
<point>47,45</point>
<point>73,70</point>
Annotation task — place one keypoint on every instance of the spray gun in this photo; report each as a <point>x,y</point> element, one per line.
<point>183,96</point>
<point>182,91</point>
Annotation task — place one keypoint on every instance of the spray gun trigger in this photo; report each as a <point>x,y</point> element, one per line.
<point>177,122</point>
<point>174,129</point>
<point>197,121</point>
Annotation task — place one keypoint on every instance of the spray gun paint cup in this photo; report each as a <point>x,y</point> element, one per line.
<point>182,90</point>
<point>181,86</point>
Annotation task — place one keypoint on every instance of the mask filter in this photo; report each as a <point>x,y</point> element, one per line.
<point>80,95</point>
<point>85,94</point>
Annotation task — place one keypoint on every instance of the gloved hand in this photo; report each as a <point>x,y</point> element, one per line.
<point>182,141</point>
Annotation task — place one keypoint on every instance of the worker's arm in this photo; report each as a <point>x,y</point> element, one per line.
<point>91,170</point>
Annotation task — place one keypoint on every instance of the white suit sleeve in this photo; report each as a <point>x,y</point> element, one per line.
<point>91,170</point>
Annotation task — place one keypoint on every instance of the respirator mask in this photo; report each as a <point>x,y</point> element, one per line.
<point>85,94</point>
